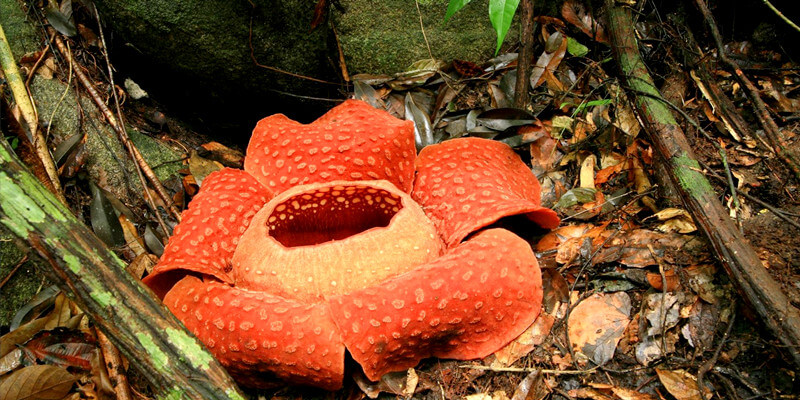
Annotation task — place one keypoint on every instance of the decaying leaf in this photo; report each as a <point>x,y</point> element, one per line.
<point>596,325</point>
<point>222,154</point>
<point>61,347</point>
<point>532,387</point>
<point>525,342</point>
<point>575,13</point>
<point>201,167</point>
<point>105,222</point>
<point>703,319</point>
<point>401,383</point>
<point>44,382</point>
<point>680,384</point>
<point>37,305</point>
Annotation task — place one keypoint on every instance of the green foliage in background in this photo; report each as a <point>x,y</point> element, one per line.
<point>501,12</point>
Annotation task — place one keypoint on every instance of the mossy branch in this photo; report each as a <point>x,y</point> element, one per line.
<point>169,357</point>
<point>731,247</point>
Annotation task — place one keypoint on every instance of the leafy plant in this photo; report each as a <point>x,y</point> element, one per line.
<point>501,12</point>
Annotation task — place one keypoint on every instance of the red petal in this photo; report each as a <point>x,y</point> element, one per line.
<point>262,340</point>
<point>466,184</point>
<point>465,305</point>
<point>353,141</point>
<point>210,229</point>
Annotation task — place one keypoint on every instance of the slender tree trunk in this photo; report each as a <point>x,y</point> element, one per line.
<point>731,247</point>
<point>521,95</point>
<point>153,340</point>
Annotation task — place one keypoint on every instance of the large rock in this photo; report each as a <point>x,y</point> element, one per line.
<point>198,54</point>
<point>386,36</point>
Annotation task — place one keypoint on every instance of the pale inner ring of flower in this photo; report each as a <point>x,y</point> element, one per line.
<point>318,240</point>
<point>331,214</point>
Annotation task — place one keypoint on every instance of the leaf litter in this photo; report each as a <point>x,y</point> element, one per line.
<point>634,301</point>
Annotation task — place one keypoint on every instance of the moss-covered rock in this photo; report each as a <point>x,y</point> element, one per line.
<point>23,284</point>
<point>386,36</point>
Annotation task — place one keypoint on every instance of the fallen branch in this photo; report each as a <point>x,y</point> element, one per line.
<point>731,247</point>
<point>29,118</point>
<point>776,139</point>
<point>143,167</point>
<point>153,340</point>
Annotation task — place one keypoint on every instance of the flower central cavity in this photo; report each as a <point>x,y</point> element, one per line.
<point>324,239</point>
<point>331,213</point>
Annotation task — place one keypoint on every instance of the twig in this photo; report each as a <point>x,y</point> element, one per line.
<point>278,70</point>
<point>740,260</point>
<point>14,271</point>
<point>521,95</point>
<point>148,195</point>
<point>781,16</point>
<point>713,360</point>
<point>119,381</point>
<point>123,135</point>
<point>26,107</point>
<point>37,63</point>
<point>422,27</point>
<point>529,370</point>
<point>771,129</point>
<point>778,212</point>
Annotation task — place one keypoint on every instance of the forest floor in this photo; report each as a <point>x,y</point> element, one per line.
<point>636,305</point>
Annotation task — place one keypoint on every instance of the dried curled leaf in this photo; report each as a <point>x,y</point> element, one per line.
<point>43,382</point>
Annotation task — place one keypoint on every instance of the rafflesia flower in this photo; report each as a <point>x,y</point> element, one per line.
<point>338,236</point>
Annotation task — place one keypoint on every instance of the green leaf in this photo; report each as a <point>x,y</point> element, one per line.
<point>575,48</point>
<point>501,12</point>
<point>454,6</point>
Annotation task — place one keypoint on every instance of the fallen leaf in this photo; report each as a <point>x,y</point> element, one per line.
<point>680,384</point>
<point>703,319</point>
<point>201,167</point>
<point>22,334</point>
<point>575,13</point>
<point>62,347</point>
<point>597,323</point>
<point>401,383</point>
<point>220,153</point>
<point>657,281</point>
<point>44,382</point>
<point>532,387</point>
<point>525,342</point>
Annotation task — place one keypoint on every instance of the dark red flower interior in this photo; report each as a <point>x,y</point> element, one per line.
<point>331,214</point>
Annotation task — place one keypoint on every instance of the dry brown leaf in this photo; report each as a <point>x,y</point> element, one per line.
<point>61,312</point>
<point>589,393</point>
<point>526,342</point>
<point>597,323</point>
<point>132,238</point>
<point>401,383</point>
<point>18,336</point>
<point>43,382</point>
<point>657,281</point>
<point>142,263</point>
<point>587,172</point>
<point>202,167</point>
<point>575,13</point>
<point>548,61</point>
<point>533,387</point>
<point>680,384</point>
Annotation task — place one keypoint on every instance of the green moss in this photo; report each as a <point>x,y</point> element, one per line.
<point>23,285</point>
<point>73,263</point>
<point>173,394</point>
<point>164,161</point>
<point>689,176</point>
<point>17,208</point>
<point>385,36</point>
<point>198,357</point>
<point>160,359</point>
<point>22,37</point>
